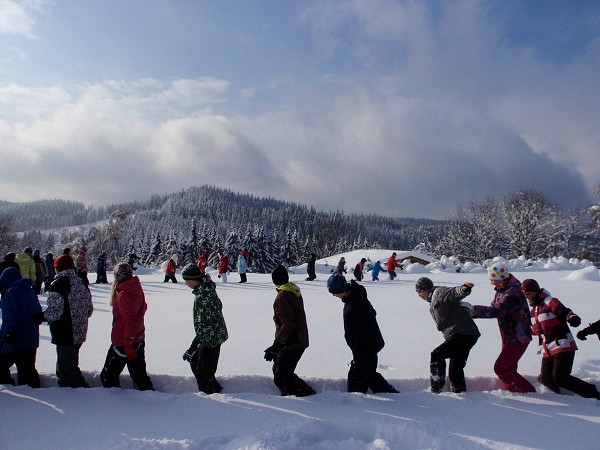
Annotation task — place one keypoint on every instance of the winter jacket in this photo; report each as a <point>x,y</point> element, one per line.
<point>26,265</point>
<point>341,267</point>
<point>449,316</point>
<point>129,307</point>
<point>49,260</point>
<point>376,269</point>
<point>81,263</point>
<point>242,264</point>
<point>69,307</point>
<point>209,322</point>
<point>392,264</point>
<point>549,322</point>
<point>202,261</point>
<point>101,265</point>
<point>361,330</point>
<point>290,318</point>
<point>510,308</point>
<point>171,267</point>
<point>19,303</point>
<point>40,270</point>
<point>223,264</point>
<point>358,271</point>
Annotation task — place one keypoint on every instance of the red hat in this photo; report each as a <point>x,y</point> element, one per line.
<point>245,253</point>
<point>64,262</point>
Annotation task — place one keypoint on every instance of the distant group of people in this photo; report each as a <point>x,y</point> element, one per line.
<point>522,310</point>
<point>202,263</point>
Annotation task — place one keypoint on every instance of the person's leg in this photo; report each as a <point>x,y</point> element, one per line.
<point>26,371</point>
<point>546,376</point>
<point>67,366</point>
<point>506,368</point>
<point>6,362</point>
<point>458,360</point>
<point>137,369</point>
<point>204,365</point>
<point>437,366</point>
<point>362,368</point>
<point>563,365</point>
<point>113,366</point>
<point>284,375</point>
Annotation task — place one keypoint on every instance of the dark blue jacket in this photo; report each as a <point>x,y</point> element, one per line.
<point>19,304</point>
<point>360,324</point>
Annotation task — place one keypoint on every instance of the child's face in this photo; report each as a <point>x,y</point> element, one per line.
<point>192,284</point>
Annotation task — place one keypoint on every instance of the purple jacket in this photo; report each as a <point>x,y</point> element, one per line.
<point>510,308</point>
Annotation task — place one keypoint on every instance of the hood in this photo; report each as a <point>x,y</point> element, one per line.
<point>22,258</point>
<point>131,286</point>
<point>8,277</point>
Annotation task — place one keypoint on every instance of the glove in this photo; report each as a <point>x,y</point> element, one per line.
<point>272,352</point>
<point>574,320</point>
<point>470,308</point>
<point>7,348</point>
<point>583,334</point>
<point>130,351</point>
<point>190,352</point>
<point>38,318</point>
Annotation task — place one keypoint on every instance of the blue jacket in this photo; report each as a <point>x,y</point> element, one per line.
<point>19,304</point>
<point>376,269</point>
<point>242,264</point>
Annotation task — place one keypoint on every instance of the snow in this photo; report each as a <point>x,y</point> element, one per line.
<point>250,414</point>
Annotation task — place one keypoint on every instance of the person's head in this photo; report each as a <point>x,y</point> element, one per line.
<point>498,274</point>
<point>245,253</point>
<point>67,251</point>
<point>338,286</point>
<point>64,262</point>
<point>192,275</point>
<point>49,255</point>
<point>28,250</point>
<point>122,272</point>
<point>280,275</point>
<point>394,254</point>
<point>36,253</point>
<point>531,290</point>
<point>363,260</point>
<point>8,277</point>
<point>10,256</point>
<point>424,286</point>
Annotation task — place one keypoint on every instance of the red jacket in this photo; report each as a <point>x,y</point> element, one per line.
<point>549,319</point>
<point>129,308</point>
<point>392,264</point>
<point>201,261</point>
<point>171,267</point>
<point>223,264</point>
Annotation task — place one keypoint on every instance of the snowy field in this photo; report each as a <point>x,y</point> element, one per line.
<point>250,414</point>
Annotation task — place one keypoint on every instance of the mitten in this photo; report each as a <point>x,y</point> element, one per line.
<point>7,348</point>
<point>38,318</point>
<point>273,350</point>
<point>190,352</point>
<point>574,320</point>
<point>130,351</point>
<point>582,334</point>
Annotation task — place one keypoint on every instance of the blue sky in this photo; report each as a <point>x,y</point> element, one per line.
<point>399,108</point>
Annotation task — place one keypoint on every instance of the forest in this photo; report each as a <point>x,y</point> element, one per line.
<point>185,223</point>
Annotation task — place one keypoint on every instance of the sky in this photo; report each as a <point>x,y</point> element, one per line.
<point>250,413</point>
<point>363,106</point>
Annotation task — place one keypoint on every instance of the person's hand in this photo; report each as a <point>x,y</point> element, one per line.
<point>272,352</point>
<point>574,320</point>
<point>7,348</point>
<point>38,318</point>
<point>582,334</point>
<point>467,286</point>
<point>190,352</point>
<point>130,351</point>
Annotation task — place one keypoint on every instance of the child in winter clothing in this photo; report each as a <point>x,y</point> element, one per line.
<point>340,269</point>
<point>26,263</point>
<point>550,321</point>
<point>510,308</point>
<point>392,264</point>
<point>362,335</point>
<point>82,266</point>
<point>310,267</point>
<point>19,334</point>
<point>40,272</point>
<point>358,269</point>
<point>49,260</point>
<point>69,308</point>
<point>171,269</point>
<point>128,331</point>
<point>291,336</point>
<point>101,269</point>
<point>375,271</point>
<point>242,266</point>
<point>211,331</point>
<point>223,268</point>
<point>459,329</point>
<point>202,261</point>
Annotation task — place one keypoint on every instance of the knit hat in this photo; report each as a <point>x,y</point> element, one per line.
<point>28,251</point>
<point>424,284</point>
<point>245,253</point>
<point>530,285</point>
<point>498,272</point>
<point>192,272</point>
<point>280,275</point>
<point>122,272</point>
<point>8,277</point>
<point>64,262</point>
<point>336,284</point>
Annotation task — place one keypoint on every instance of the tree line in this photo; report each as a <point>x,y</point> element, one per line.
<point>187,222</point>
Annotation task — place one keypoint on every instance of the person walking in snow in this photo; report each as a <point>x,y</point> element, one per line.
<point>49,260</point>
<point>310,267</point>
<point>509,307</point>
<point>242,266</point>
<point>594,328</point>
<point>340,269</point>
<point>40,272</point>
<point>171,269</point>
<point>26,263</point>
<point>550,321</point>
<point>210,328</point>
<point>375,270</point>
<point>359,268</point>
<point>202,261</point>
<point>223,267</point>
<point>101,269</point>
<point>82,266</point>
<point>133,260</point>
<point>459,330</point>
<point>362,335</point>
<point>127,337</point>
<point>19,334</point>
<point>291,336</point>
<point>69,309</point>
<point>392,264</point>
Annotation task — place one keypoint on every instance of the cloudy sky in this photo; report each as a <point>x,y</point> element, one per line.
<point>399,108</point>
